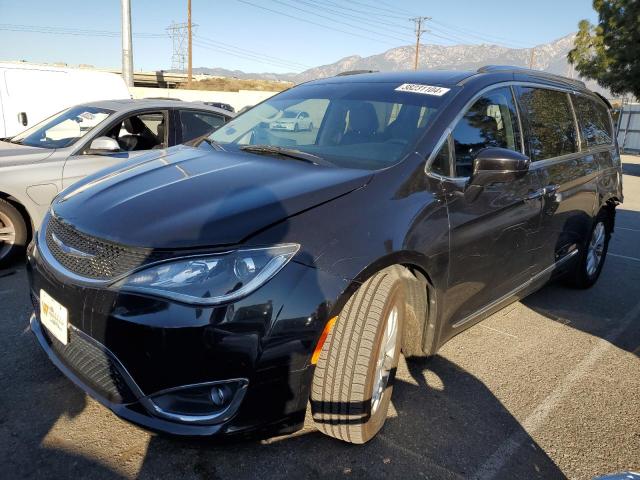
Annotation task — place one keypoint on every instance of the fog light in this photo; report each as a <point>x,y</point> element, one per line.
<point>220,394</point>
<point>206,403</point>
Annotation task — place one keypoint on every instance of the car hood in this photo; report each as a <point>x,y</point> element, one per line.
<point>189,197</point>
<point>14,154</point>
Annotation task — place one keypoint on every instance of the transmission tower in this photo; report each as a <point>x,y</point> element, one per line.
<point>179,33</point>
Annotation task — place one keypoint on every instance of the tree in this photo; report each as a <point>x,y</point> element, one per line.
<point>609,52</point>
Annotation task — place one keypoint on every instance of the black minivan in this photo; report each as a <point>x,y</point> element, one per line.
<point>221,287</point>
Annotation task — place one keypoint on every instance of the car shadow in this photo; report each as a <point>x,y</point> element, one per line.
<point>35,396</point>
<point>600,309</point>
<point>446,424</point>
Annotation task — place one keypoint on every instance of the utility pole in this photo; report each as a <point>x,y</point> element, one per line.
<point>190,55</point>
<point>532,58</point>
<point>419,31</point>
<point>127,48</point>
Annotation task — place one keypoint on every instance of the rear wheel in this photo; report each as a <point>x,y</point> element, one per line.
<point>353,380</point>
<point>13,232</point>
<point>592,254</point>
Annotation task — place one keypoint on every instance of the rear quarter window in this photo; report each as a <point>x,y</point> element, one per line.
<point>594,121</point>
<point>550,123</point>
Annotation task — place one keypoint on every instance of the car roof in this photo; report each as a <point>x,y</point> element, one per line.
<point>494,73</point>
<point>129,104</point>
<point>439,77</point>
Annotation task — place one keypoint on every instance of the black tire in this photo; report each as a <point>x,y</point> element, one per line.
<point>579,276</point>
<point>295,127</point>
<point>342,390</point>
<point>11,218</point>
<point>311,127</point>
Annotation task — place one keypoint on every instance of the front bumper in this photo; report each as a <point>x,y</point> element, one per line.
<point>129,347</point>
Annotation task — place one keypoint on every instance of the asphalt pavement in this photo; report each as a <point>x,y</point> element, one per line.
<point>546,388</point>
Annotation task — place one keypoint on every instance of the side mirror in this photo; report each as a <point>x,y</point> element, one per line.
<point>22,118</point>
<point>497,165</point>
<point>103,145</point>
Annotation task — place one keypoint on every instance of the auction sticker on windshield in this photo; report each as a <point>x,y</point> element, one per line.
<point>54,316</point>
<point>422,89</point>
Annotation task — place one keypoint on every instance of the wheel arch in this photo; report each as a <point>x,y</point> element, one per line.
<point>421,326</point>
<point>21,207</point>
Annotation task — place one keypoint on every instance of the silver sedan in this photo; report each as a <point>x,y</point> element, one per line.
<point>50,156</point>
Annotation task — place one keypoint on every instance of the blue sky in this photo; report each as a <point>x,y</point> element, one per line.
<point>250,35</point>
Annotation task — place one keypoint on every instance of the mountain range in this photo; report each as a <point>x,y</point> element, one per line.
<point>550,57</point>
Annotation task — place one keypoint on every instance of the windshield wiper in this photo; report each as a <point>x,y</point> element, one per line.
<point>205,138</point>
<point>286,152</point>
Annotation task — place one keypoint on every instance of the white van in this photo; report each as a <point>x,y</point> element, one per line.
<point>30,93</point>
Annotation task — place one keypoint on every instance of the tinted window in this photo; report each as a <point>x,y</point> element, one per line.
<point>350,124</point>
<point>593,117</point>
<point>143,131</point>
<point>490,122</point>
<point>442,162</point>
<point>551,126</point>
<point>197,124</point>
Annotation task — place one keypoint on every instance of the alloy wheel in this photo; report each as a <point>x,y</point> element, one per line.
<point>596,248</point>
<point>7,235</point>
<point>384,363</point>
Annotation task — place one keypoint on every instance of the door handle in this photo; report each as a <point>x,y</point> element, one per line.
<point>537,194</point>
<point>544,191</point>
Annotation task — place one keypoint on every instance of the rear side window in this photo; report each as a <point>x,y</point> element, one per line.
<point>550,122</point>
<point>490,122</point>
<point>197,124</point>
<point>593,117</point>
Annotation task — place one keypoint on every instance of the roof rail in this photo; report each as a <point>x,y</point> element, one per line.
<point>538,73</point>
<point>355,72</point>
<point>499,68</point>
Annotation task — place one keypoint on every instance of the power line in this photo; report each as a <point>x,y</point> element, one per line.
<point>480,35</point>
<point>231,53</point>
<point>230,49</point>
<point>247,54</point>
<point>313,23</point>
<point>368,11</point>
<point>251,52</point>
<point>281,2</point>
<point>359,17</point>
<point>387,11</point>
<point>71,31</point>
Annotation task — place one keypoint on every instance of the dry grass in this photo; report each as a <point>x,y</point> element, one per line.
<point>235,84</point>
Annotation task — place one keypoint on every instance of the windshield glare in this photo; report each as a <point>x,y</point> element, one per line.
<point>352,125</point>
<point>64,128</point>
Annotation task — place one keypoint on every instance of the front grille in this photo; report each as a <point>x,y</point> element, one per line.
<point>94,365</point>
<point>105,260</point>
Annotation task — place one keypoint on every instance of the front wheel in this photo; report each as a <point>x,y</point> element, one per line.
<point>592,254</point>
<point>354,376</point>
<point>13,232</point>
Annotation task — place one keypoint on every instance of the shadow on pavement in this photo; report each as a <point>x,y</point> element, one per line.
<point>447,425</point>
<point>600,309</point>
<point>34,396</point>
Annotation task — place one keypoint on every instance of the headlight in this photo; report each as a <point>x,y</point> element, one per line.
<point>211,279</point>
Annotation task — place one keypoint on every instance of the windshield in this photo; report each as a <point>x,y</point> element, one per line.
<point>64,128</point>
<point>350,124</point>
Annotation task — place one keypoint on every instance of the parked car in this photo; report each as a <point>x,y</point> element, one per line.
<point>224,106</point>
<point>216,289</point>
<point>30,93</point>
<point>38,163</point>
<point>293,120</point>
